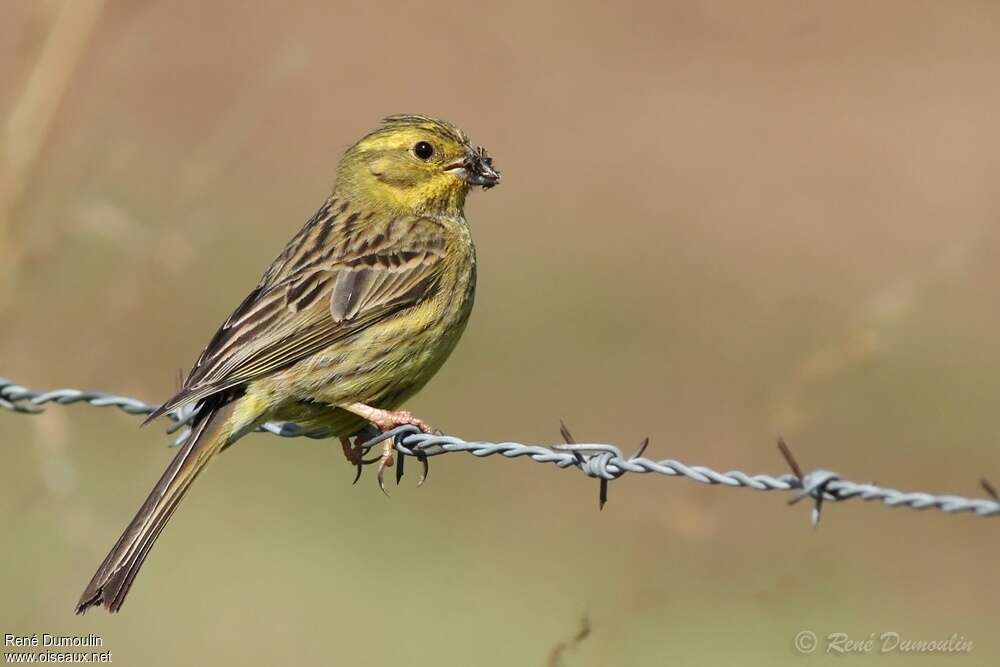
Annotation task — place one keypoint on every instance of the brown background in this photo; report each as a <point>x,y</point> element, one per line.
<point>718,222</point>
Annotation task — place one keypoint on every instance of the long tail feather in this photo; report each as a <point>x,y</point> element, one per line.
<point>114,577</point>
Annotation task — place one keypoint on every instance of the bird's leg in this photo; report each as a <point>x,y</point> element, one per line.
<point>386,420</point>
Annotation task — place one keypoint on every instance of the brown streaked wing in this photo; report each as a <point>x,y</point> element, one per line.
<point>311,309</point>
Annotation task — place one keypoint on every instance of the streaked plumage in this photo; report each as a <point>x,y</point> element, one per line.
<point>355,315</point>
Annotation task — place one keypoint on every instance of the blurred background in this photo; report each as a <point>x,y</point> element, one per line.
<point>719,222</point>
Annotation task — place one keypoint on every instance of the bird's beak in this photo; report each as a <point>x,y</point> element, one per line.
<point>476,169</point>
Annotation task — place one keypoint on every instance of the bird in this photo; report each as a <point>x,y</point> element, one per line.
<point>358,311</point>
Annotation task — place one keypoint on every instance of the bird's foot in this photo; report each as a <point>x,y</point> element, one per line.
<point>354,453</point>
<point>385,420</point>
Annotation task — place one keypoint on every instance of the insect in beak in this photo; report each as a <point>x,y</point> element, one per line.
<point>476,168</point>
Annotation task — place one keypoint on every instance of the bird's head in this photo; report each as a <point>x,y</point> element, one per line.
<point>415,164</point>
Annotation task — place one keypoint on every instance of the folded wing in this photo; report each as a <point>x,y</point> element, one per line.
<point>304,311</point>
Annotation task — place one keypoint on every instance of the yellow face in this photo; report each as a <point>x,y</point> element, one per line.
<point>415,164</point>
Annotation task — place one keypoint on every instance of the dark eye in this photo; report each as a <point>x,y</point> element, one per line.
<point>423,150</point>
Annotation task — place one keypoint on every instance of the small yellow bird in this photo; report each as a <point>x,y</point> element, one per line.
<point>354,316</point>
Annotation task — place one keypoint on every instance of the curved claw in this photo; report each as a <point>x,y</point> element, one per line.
<point>355,454</point>
<point>426,468</point>
<point>385,461</point>
<point>381,480</point>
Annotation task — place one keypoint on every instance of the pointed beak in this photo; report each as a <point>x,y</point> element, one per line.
<point>476,169</point>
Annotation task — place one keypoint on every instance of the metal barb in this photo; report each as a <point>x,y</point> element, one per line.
<point>789,458</point>
<point>599,461</point>
<point>814,485</point>
<point>602,490</point>
<point>642,448</point>
<point>399,469</point>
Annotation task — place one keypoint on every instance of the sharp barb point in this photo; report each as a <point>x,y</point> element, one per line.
<point>817,510</point>
<point>789,458</point>
<point>566,435</point>
<point>642,448</point>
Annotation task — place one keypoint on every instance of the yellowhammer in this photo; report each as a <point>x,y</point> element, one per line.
<point>354,316</point>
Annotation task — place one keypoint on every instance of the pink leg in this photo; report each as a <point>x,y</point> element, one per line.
<point>386,420</point>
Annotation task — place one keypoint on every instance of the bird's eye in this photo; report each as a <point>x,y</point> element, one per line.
<point>423,150</point>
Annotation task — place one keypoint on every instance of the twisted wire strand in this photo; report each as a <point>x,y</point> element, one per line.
<point>601,461</point>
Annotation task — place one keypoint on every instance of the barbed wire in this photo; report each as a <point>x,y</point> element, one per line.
<point>603,462</point>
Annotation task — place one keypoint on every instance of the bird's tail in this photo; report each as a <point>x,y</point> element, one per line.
<point>113,579</point>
